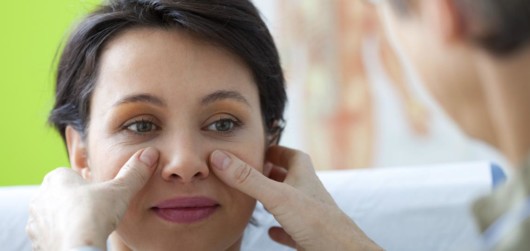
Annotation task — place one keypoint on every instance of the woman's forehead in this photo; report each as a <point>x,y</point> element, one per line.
<point>170,64</point>
<point>173,50</point>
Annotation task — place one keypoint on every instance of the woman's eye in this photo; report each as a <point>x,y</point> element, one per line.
<point>142,126</point>
<point>223,125</point>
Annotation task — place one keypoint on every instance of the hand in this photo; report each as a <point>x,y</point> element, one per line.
<point>294,195</point>
<point>69,212</point>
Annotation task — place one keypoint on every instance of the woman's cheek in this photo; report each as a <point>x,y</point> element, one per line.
<point>107,164</point>
<point>254,156</point>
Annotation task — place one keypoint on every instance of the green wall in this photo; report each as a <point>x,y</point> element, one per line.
<point>30,34</point>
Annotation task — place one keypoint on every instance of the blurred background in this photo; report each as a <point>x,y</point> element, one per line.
<point>31,35</point>
<point>354,101</point>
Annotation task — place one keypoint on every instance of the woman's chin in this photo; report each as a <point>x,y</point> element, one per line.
<point>186,236</point>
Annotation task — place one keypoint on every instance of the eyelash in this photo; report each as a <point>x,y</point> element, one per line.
<point>235,124</point>
<point>140,121</point>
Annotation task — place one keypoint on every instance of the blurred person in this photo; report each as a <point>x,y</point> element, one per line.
<point>355,103</point>
<point>411,126</point>
<point>466,48</point>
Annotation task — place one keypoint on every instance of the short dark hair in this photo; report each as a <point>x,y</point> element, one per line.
<point>506,22</point>
<point>235,25</point>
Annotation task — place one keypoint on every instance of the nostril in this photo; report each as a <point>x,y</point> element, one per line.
<point>200,175</point>
<point>197,175</point>
<point>184,170</point>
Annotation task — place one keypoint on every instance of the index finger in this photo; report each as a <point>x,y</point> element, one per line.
<point>294,161</point>
<point>245,178</point>
<point>300,172</point>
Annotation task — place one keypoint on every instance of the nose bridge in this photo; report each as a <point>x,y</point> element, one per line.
<point>185,160</point>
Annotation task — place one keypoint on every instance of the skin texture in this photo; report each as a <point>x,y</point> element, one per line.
<point>173,125</point>
<point>289,185</point>
<point>184,97</point>
<point>69,212</point>
<point>120,174</point>
<point>292,187</point>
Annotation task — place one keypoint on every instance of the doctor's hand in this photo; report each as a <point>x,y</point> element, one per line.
<point>293,194</point>
<point>69,212</point>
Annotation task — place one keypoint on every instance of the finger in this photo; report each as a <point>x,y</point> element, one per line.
<point>241,176</point>
<point>62,176</point>
<point>279,235</point>
<point>136,172</point>
<point>289,158</point>
<point>277,173</point>
<point>299,172</point>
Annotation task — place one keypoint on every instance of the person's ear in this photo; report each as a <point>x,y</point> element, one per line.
<point>77,152</point>
<point>444,20</point>
<point>274,135</point>
<point>272,139</point>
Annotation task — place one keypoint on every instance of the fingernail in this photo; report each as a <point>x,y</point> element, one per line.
<point>149,156</point>
<point>220,160</point>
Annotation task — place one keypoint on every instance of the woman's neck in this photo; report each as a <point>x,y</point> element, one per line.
<point>507,85</point>
<point>116,244</point>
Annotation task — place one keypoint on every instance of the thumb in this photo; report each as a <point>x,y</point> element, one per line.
<point>245,178</point>
<point>136,172</point>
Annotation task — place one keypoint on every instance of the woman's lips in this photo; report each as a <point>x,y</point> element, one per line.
<point>186,210</point>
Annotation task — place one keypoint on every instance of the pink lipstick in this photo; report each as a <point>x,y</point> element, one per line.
<point>186,210</point>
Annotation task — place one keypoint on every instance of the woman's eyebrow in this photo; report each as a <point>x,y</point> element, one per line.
<point>143,97</point>
<point>223,94</point>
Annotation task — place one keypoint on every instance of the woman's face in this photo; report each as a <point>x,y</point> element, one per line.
<point>186,98</point>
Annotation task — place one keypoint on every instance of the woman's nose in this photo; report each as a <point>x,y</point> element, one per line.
<point>185,161</point>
